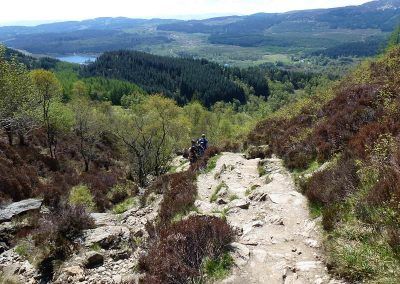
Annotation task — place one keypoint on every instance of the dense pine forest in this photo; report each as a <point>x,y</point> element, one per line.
<point>184,80</point>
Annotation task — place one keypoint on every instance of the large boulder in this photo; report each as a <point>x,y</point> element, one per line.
<point>93,259</point>
<point>14,209</point>
<point>104,219</point>
<point>240,254</point>
<point>107,236</point>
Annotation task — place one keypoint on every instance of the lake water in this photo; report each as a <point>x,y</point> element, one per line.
<point>77,58</point>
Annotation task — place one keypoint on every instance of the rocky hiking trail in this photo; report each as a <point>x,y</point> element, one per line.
<point>278,241</point>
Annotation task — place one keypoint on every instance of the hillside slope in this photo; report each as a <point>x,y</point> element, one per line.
<point>183,79</point>
<point>308,29</point>
<point>352,130</point>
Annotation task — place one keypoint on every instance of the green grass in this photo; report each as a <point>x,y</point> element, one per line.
<point>212,163</point>
<point>251,189</point>
<point>180,215</point>
<point>223,212</point>
<point>124,205</point>
<point>233,197</point>
<point>81,195</point>
<point>214,196</point>
<point>217,269</point>
<point>368,260</point>
<point>261,170</point>
<point>95,247</point>
<point>22,249</point>
<point>298,175</point>
<point>315,210</point>
<point>173,169</point>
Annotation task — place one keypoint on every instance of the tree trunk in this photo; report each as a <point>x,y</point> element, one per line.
<point>22,140</point>
<point>10,137</point>
<point>86,165</point>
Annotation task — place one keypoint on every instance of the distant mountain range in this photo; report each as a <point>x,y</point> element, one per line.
<point>309,29</point>
<point>381,14</point>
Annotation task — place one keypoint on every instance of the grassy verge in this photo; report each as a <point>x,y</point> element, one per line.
<point>214,196</point>
<point>212,163</point>
<point>124,205</point>
<point>219,268</point>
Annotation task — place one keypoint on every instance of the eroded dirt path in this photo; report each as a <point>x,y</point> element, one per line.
<point>278,242</point>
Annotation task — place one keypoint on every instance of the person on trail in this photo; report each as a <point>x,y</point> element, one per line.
<point>203,142</point>
<point>193,152</point>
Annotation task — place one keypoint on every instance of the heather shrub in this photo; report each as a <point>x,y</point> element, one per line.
<point>181,249</point>
<point>261,152</point>
<point>230,146</point>
<point>179,197</point>
<point>81,195</point>
<point>56,233</point>
<point>56,191</point>
<point>333,184</point>
<point>100,183</point>
<point>18,179</point>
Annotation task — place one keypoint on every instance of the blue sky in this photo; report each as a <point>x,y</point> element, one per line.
<point>34,11</point>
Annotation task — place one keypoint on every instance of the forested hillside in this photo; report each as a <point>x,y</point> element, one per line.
<point>381,14</point>
<point>84,41</point>
<point>29,61</point>
<point>101,138</point>
<point>343,147</point>
<point>184,80</point>
<point>238,40</point>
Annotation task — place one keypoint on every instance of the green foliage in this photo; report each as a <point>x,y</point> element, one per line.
<point>181,215</point>
<point>212,163</point>
<point>358,254</point>
<point>214,196</point>
<point>251,189</point>
<point>111,90</point>
<point>90,124</point>
<point>120,192</point>
<point>394,38</point>
<point>23,249</point>
<point>124,206</point>
<point>219,268</point>
<point>233,197</point>
<point>81,195</point>
<point>95,247</point>
<point>49,90</point>
<point>18,98</point>
<point>157,120</point>
<point>30,62</point>
<point>315,209</point>
<point>93,41</point>
<point>261,170</point>
<point>182,79</point>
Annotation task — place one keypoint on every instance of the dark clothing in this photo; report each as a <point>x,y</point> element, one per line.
<point>203,143</point>
<point>193,154</point>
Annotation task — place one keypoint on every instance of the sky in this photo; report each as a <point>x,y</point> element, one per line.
<point>29,12</point>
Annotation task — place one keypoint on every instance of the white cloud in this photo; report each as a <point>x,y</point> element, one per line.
<point>48,10</point>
